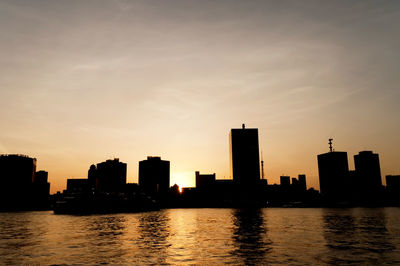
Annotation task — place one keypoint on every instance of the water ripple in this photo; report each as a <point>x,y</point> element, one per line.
<point>204,236</point>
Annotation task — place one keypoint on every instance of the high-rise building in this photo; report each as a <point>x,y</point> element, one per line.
<point>393,182</point>
<point>203,180</point>
<point>77,185</point>
<point>111,175</point>
<point>285,181</point>
<point>92,176</point>
<point>244,156</point>
<point>16,171</point>
<point>154,176</point>
<point>333,169</point>
<point>41,177</point>
<point>368,181</point>
<point>393,187</point>
<point>41,189</point>
<point>302,182</point>
<point>21,187</point>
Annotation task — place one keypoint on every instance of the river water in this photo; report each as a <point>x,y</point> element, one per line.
<point>204,236</point>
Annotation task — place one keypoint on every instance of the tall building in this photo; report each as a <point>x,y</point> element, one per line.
<point>302,182</point>
<point>92,176</point>
<point>368,180</point>
<point>111,175</point>
<point>154,176</point>
<point>393,182</point>
<point>21,187</point>
<point>41,183</point>
<point>285,181</point>
<point>16,171</point>
<point>41,177</point>
<point>41,189</point>
<point>77,185</point>
<point>333,169</point>
<point>244,156</point>
<point>393,187</point>
<point>203,180</point>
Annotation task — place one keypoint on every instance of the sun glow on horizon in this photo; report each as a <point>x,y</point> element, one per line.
<point>171,79</point>
<point>182,179</point>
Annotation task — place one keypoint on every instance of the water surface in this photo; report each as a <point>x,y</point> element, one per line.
<point>204,236</point>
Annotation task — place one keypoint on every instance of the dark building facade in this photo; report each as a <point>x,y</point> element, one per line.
<point>41,177</point>
<point>92,176</point>
<point>302,182</point>
<point>41,187</point>
<point>393,188</point>
<point>333,169</point>
<point>393,182</point>
<point>244,156</point>
<point>154,176</point>
<point>16,170</point>
<point>21,187</point>
<point>285,181</point>
<point>110,175</point>
<point>77,185</point>
<point>204,179</point>
<point>368,180</point>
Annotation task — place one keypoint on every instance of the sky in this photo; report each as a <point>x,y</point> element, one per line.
<point>86,81</point>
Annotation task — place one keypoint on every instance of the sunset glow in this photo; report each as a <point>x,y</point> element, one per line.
<point>82,82</point>
<point>183,180</point>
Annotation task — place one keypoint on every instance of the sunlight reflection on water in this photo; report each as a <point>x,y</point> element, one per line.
<point>204,236</point>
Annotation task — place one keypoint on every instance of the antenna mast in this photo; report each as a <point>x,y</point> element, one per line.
<point>330,145</point>
<point>262,166</point>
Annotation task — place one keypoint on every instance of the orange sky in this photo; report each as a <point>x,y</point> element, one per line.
<point>86,81</point>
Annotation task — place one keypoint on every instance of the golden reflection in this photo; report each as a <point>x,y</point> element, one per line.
<point>154,230</point>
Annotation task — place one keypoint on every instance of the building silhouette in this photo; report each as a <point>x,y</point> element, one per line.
<point>17,170</point>
<point>333,169</point>
<point>78,185</point>
<point>302,182</point>
<point>16,176</point>
<point>154,177</point>
<point>41,188</point>
<point>92,177</point>
<point>393,182</point>
<point>368,181</point>
<point>110,175</point>
<point>21,187</point>
<point>204,180</point>
<point>285,181</point>
<point>244,156</point>
<point>393,188</point>
<point>40,177</point>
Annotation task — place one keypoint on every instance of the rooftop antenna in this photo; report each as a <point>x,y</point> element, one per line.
<point>330,145</point>
<point>262,166</point>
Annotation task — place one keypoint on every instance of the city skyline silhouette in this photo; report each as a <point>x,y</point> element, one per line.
<point>83,83</point>
<point>240,160</point>
<point>106,190</point>
<point>199,132</point>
